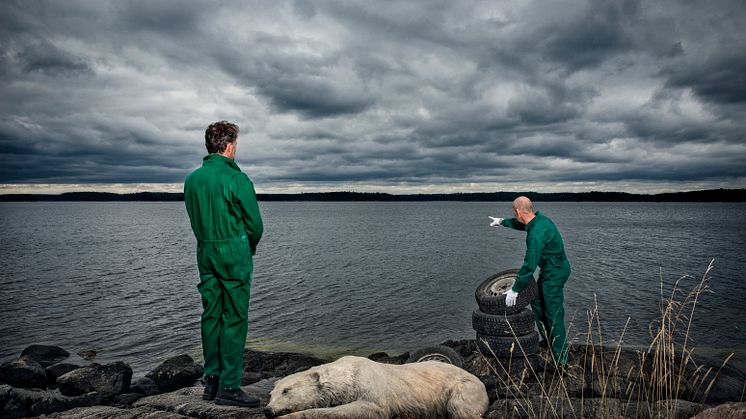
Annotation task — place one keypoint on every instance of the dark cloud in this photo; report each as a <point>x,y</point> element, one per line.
<point>349,93</point>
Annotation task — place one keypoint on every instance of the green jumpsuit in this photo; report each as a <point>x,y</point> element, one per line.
<point>545,249</point>
<point>225,219</point>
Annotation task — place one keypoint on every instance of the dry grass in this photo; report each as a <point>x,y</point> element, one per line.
<point>604,381</point>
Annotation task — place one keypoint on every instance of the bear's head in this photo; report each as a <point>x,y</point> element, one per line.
<point>295,393</point>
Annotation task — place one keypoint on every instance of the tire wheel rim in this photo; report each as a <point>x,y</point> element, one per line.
<point>501,286</point>
<point>435,357</point>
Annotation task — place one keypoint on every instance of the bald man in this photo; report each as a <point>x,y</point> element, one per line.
<point>545,249</point>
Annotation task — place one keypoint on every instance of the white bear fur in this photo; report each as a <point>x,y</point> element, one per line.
<point>355,387</point>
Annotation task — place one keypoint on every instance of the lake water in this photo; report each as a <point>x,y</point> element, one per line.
<point>352,277</point>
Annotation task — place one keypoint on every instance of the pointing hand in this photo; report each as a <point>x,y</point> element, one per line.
<point>510,298</point>
<point>496,221</point>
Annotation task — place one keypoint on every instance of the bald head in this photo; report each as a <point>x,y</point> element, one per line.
<point>523,205</point>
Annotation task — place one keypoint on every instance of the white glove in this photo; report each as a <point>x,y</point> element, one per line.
<point>496,221</point>
<point>510,298</point>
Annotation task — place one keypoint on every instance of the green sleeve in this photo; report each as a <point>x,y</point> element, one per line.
<point>246,199</point>
<point>514,224</point>
<point>534,246</point>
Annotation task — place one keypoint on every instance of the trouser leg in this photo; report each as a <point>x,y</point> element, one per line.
<point>234,319</point>
<point>538,306</point>
<point>211,323</point>
<point>554,317</point>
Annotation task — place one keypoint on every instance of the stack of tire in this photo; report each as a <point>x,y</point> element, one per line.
<point>506,333</point>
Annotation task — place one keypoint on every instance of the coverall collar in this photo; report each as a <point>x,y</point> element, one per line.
<point>218,160</point>
<point>531,223</point>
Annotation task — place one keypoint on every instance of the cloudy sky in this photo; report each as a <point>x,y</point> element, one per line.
<point>417,96</point>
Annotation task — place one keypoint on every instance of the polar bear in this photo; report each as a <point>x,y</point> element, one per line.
<point>355,387</point>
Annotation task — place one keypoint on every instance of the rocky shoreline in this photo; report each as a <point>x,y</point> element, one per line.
<point>41,383</point>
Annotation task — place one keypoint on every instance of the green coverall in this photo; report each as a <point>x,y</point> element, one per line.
<point>545,249</point>
<point>224,214</point>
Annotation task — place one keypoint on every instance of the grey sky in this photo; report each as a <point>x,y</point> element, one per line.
<point>429,96</point>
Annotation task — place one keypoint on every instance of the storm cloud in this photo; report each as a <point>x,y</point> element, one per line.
<point>431,96</point>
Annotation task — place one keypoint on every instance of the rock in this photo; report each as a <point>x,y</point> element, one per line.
<point>87,354</point>
<point>111,412</point>
<point>126,399</point>
<point>384,358</point>
<point>675,409</point>
<point>278,364</point>
<point>58,370</point>
<point>250,377</point>
<point>188,402</point>
<point>724,411</point>
<point>31,402</point>
<point>175,373</point>
<point>108,379</point>
<point>465,347</point>
<point>45,355</point>
<point>23,372</point>
<point>144,386</point>
<point>727,381</point>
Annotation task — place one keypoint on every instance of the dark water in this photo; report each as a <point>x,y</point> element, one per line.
<point>334,278</point>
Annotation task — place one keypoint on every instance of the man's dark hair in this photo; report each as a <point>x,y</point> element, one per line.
<point>220,134</point>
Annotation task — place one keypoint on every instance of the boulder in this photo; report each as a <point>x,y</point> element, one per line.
<point>32,402</point>
<point>23,372</point>
<point>175,373</point>
<point>724,411</point>
<point>144,386</point>
<point>45,355</point>
<point>278,364</point>
<point>107,379</point>
<point>58,370</point>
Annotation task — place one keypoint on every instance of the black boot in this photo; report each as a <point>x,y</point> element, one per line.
<point>236,397</point>
<point>211,387</point>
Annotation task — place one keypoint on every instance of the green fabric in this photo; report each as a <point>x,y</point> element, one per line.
<point>225,219</point>
<point>549,312</point>
<point>546,250</point>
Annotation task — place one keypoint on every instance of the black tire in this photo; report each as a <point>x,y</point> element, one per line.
<point>521,323</point>
<point>437,353</point>
<point>490,294</point>
<point>500,345</point>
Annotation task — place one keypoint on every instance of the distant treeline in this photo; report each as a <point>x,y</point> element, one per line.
<point>712,195</point>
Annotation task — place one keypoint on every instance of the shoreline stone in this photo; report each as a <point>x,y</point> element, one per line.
<point>175,373</point>
<point>582,389</point>
<point>111,379</point>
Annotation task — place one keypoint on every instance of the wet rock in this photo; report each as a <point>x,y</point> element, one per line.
<point>188,402</point>
<point>144,386</point>
<point>58,370</point>
<point>177,372</point>
<point>250,377</point>
<point>23,372</point>
<point>45,355</point>
<point>108,379</point>
<point>278,364</point>
<point>31,402</point>
<point>126,399</point>
<point>724,411</point>
<point>87,354</point>
<point>112,412</point>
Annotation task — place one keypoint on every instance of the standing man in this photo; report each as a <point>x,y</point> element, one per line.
<point>545,249</point>
<point>224,214</point>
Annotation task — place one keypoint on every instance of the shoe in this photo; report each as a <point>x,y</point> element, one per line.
<point>236,397</point>
<point>211,387</point>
